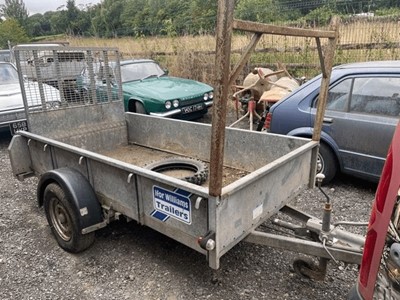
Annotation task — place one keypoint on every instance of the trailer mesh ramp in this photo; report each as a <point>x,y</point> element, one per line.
<point>72,94</point>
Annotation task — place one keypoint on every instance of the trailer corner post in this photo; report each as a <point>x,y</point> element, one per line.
<point>221,82</point>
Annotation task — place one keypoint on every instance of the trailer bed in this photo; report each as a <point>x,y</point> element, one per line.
<point>142,156</point>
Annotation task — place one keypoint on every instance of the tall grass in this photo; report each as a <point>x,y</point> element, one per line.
<point>192,56</point>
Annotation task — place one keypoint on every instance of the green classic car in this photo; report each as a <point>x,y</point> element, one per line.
<point>148,89</point>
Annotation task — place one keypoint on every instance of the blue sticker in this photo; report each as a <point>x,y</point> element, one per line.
<point>171,204</point>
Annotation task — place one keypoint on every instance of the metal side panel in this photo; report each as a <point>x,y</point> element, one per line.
<point>175,212</point>
<point>115,188</point>
<point>246,150</point>
<point>64,158</point>
<point>19,155</point>
<point>176,136</point>
<point>253,199</point>
<point>41,156</point>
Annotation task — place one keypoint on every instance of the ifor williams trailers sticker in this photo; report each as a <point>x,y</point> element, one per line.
<point>172,204</point>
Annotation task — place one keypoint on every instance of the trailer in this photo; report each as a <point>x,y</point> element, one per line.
<point>97,163</point>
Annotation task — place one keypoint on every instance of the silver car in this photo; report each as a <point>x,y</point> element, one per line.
<point>12,111</point>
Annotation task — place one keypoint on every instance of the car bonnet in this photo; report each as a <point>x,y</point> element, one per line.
<point>166,88</point>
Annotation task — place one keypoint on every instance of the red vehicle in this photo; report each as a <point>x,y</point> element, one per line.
<point>379,276</point>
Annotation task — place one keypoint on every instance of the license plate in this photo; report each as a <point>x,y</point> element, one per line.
<point>192,108</point>
<point>18,126</point>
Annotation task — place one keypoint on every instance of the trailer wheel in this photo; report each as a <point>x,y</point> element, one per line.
<point>306,268</point>
<point>63,220</point>
<point>198,168</point>
<point>86,97</point>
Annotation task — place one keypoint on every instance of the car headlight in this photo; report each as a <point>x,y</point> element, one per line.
<point>53,105</point>
<point>205,97</point>
<point>168,104</point>
<point>175,103</point>
<point>211,95</point>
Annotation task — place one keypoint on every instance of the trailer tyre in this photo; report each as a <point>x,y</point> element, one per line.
<point>306,268</point>
<point>199,168</point>
<point>63,220</point>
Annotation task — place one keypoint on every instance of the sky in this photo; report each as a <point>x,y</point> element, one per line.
<point>41,6</point>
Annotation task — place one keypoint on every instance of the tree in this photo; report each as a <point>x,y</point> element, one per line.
<point>39,25</point>
<point>15,9</point>
<point>11,31</point>
<point>204,15</point>
<point>264,11</point>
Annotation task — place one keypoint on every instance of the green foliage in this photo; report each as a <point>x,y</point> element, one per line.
<point>15,9</point>
<point>138,18</point>
<point>11,31</point>
<point>319,16</point>
<point>392,12</point>
<point>265,11</point>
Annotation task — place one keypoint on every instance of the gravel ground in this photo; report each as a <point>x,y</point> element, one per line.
<point>129,261</point>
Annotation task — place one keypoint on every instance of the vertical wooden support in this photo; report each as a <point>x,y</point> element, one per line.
<point>222,69</point>
<point>326,68</point>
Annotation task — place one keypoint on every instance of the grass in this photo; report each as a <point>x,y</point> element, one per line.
<point>189,61</point>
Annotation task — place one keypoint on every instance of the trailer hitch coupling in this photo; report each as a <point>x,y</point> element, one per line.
<point>207,242</point>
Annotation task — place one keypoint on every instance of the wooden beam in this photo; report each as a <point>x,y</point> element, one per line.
<point>281,30</point>
<point>244,58</point>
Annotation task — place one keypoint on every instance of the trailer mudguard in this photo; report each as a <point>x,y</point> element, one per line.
<point>78,190</point>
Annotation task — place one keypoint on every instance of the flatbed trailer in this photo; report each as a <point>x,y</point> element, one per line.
<point>92,163</point>
<point>124,186</point>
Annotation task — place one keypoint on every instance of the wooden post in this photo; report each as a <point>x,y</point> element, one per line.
<point>222,67</point>
<point>326,67</point>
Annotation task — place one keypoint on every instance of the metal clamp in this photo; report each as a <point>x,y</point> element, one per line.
<point>198,201</point>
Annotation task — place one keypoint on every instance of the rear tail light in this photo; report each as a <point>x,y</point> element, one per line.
<point>267,122</point>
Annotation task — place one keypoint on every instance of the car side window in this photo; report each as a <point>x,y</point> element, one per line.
<point>338,96</point>
<point>376,96</point>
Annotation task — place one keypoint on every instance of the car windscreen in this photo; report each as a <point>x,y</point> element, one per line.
<point>8,74</point>
<point>140,71</point>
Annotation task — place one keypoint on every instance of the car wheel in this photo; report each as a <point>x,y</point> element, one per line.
<point>63,220</point>
<point>86,97</point>
<point>197,171</point>
<point>139,108</point>
<point>326,163</point>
